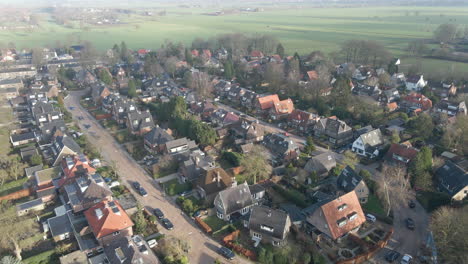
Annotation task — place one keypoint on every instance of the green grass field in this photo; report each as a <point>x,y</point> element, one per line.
<point>302,30</point>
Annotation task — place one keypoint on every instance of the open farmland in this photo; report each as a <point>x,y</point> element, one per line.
<point>299,29</point>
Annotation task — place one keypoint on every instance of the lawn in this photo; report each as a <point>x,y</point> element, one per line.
<point>301,29</point>
<point>5,146</point>
<point>46,257</point>
<point>215,223</point>
<point>12,186</point>
<point>373,205</point>
<point>173,187</point>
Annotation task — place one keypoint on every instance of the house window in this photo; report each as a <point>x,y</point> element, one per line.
<point>276,243</point>
<point>244,210</point>
<point>116,233</point>
<point>257,235</point>
<point>220,215</point>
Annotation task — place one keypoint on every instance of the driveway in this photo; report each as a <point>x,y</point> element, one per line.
<point>203,248</point>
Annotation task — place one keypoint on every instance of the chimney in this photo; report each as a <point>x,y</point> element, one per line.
<point>269,213</point>
<point>218,178</point>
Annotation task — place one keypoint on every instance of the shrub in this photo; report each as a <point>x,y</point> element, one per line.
<point>291,195</point>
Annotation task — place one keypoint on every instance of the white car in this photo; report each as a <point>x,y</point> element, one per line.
<point>371,218</point>
<point>406,259</point>
<point>152,243</point>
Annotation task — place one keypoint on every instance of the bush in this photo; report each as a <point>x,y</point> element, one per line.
<point>233,158</point>
<point>433,200</point>
<point>291,195</point>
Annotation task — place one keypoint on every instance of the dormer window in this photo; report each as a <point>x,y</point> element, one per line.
<point>342,207</point>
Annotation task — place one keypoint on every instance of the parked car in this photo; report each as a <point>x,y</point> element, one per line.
<point>200,212</point>
<point>406,259</point>
<point>411,204</point>
<point>152,243</point>
<point>410,223</point>
<point>392,256</point>
<point>185,193</point>
<point>371,218</point>
<point>87,126</point>
<point>167,224</point>
<point>143,192</point>
<point>158,213</point>
<point>136,185</point>
<point>227,253</point>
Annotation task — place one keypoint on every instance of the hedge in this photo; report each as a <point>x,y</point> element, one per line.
<point>291,195</point>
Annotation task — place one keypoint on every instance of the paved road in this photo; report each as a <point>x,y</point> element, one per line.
<point>203,248</point>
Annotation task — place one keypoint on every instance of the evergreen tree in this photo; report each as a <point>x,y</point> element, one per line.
<point>280,50</point>
<point>132,88</point>
<point>188,56</point>
<point>228,70</point>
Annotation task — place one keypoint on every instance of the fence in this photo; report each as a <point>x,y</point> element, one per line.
<point>238,248</point>
<point>16,195</point>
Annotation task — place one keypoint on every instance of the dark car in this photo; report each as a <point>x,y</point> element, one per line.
<point>158,213</point>
<point>412,204</point>
<point>167,224</point>
<point>136,185</point>
<point>392,256</point>
<point>200,212</point>
<point>143,192</point>
<point>409,223</point>
<point>227,253</point>
<point>87,126</point>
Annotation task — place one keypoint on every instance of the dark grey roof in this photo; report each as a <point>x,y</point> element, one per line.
<point>236,198</point>
<point>158,136</point>
<point>10,81</point>
<point>24,136</point>
<point>68,142</point>
<point>348,179</point>
<point>452,178</point>
<point>372,138</point>
<point>124,250</point>
<point>59,225</point>
<point>280,144</point>
<point>139,120</point>
<point>30,171</point>
<point>262,219</point>
<point>321,163</point>
<point>29,204</point>
<point>180,142</point>
<point>293,211</point>
<point>256,188</point>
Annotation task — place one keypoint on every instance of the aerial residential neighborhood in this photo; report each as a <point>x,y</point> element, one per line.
<point>229,149</point>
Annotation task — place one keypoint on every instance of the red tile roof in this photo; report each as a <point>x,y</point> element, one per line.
<point>284,107</point>
<point>106,218</point>
<point>300,115</point>
<point>78,166</point>
<point>419,99</point>
<point>392,106</point>
<point>267,102</point>
<point>256,53</point>
<point>401,150</point>
<point>342,215</point>
<point>195,53</point>
<point>313,75</point>
<point>142,51</point>
<point>207,53</point>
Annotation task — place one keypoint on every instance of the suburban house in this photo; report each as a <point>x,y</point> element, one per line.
<point>128,250</point>
<point>235,93</point>
<point>63,146</point>
<point>268,225</point>
<point>302,121</point>
<point>222,118</point>
<point>349,180</point>
<point>139,123</point>
<point>451,108</point>
<point>99,91</point>
<point>85,191</point>
<point>338,217</point>
<point>443,89</point>
<point>281,109</point>
<point>23,138</point>
<point>236,200</point>
<point>45,113</point>
<point>336,131</point>
<point>30,206</point>
<point>179,145</point>
<point>265,103</point>
<point>256,55</point>
<point>191,169</point>
<point>120,109</point>
<point>211,182</point>
<point>44,183</point>
<point>367,144</point>
<point>453,180</point>
<point>414,101</point>
<point>415,83</point>
<point>75,166</point>
<point>202,109</point>
<point>400,154</point>
<point>108,221</point>
<point>155,140</point>
<point>51,130</point>
<point>321,164</point>
<point>248,99</point>
<point>281,147</point>
<point>389,96</point>
<point>60,227</point>
<point>248,131</point>
<point>31,170</point>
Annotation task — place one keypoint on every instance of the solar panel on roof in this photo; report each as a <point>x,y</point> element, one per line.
<point>115,209</point>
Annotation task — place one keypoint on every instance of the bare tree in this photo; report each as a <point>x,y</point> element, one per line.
<point>255,164</point>
<point>14,231</point>
<point>393,187</point>
<point>170,65</point>
<point>450,234</point>
<point>202,85</point>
